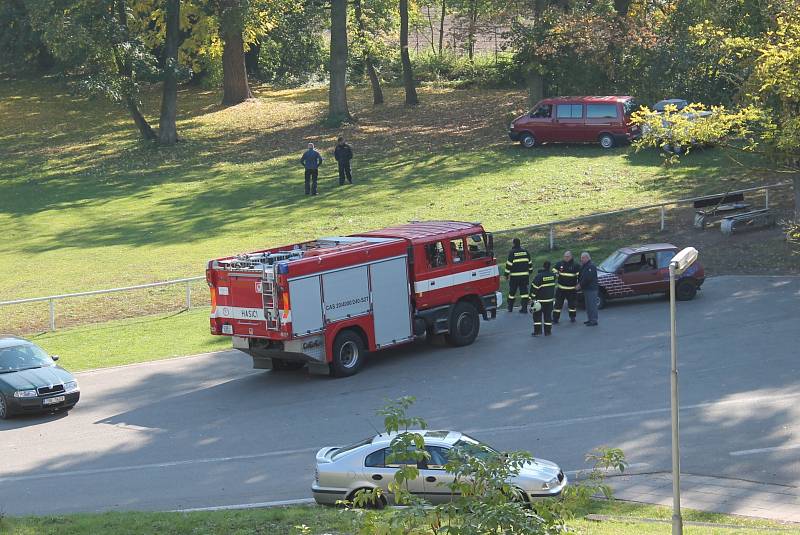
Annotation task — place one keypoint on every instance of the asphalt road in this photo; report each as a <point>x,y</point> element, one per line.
<point>209,431</point>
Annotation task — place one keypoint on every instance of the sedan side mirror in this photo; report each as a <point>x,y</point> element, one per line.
<point>54,357</point>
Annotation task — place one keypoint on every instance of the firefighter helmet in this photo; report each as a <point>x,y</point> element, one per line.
<point>536,306</point>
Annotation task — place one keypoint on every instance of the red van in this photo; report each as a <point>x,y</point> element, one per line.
<point>604,120</point>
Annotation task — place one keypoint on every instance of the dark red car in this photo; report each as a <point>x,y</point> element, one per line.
<point>644,270</point>
<point>604,120</point>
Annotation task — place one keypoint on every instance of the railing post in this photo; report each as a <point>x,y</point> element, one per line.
<point>188,295</point>
<point>663,221</point>
<point>552,237</point>
<point>52,314</point>
<point>766,199</point>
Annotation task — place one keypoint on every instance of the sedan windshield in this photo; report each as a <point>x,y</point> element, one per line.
<point>610,264</point>
<point>23,357</point>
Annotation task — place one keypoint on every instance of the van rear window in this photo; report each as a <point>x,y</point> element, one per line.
<point>601,111</point>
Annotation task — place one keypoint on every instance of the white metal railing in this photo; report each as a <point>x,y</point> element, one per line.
<point>550,225</point>
<point>662,205</point>
<point>53,298</point>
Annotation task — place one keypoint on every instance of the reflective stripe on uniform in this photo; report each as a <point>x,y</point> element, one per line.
<point>524,273</point>
<point>568,288</point>
<point>565,274</point>
<point>545,300</point>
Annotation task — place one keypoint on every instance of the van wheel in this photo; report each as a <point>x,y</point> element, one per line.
<point>527,140</point>
<point>607,141</point>
<point>464,324</point>
<point>685,290</point>
<point>348,354</point>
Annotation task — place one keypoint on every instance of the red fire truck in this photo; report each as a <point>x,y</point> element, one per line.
<point>327,302</point>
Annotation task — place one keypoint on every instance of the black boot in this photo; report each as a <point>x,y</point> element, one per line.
<point>524,309</point>
<point>510,304</point>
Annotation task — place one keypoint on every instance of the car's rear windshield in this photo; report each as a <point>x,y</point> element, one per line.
<point>343,450</point>
<point>23,356</point>
<point>630,106</point>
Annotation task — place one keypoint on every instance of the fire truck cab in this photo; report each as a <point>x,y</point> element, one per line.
<point>325,303</point>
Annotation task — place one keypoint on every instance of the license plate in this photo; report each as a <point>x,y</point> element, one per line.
<point>53,401</point>
<point>227,329</point>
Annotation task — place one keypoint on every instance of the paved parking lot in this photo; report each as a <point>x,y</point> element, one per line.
<point>208,430</point>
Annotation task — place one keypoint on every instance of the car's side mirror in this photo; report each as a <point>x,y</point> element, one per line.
<point>54,357</point>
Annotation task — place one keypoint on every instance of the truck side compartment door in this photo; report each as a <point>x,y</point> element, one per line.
<point>391,302</point>
<point>306,296</point>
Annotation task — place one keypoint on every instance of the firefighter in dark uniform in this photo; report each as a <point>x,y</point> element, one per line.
<point>543,290</point>
<point>566,290</point>
<point>518,270</point>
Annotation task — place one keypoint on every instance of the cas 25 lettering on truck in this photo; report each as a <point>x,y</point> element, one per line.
<point>326,303</point>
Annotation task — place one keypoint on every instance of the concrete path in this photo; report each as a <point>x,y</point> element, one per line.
<point>713,494</point>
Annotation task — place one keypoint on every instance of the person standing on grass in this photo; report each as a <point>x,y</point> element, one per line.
<point>343,153</point>
<point>311,160</point>
<point>587,282</point>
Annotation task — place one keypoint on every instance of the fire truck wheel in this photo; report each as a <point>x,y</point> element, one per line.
<point>348,354</point>
<point>464,324</point>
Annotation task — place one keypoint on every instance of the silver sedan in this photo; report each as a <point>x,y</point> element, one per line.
<point>342,471</point>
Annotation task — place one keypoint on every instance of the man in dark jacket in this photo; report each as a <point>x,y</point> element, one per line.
<point>343,153</point>
<point>543,291</point>
<point>587,283</point>
<point>518,270</point>
<point>311,160</point>
<point>567,273</point>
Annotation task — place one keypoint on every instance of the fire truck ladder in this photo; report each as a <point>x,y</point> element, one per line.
<point>269,294</point>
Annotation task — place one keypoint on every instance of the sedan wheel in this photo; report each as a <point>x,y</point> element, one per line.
<point>3,408</point>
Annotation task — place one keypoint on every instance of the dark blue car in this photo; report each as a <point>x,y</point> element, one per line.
<point>30,381</point>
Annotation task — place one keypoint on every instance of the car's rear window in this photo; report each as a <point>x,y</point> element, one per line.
<point>351,447</point>
<point>630,106</point>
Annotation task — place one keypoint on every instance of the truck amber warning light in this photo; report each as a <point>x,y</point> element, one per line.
<point>343,307</point>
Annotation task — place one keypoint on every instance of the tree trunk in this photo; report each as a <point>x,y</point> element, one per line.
<point>167,129</point>
<point>535,88</point>
<point>472,28</point>
<point>251,62</point>
<point>235,88</point>
<point>337,92</point>
<point>796,187</point>
<point>408,73</point>
<point>375,82</point>
<point>441,26</point>
<point>125,69</point>
<point>145,130</point>
<point>622,7</point>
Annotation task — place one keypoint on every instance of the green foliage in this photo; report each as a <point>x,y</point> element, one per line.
<point>290,54</point>
<point>21,47</point>
<point>452,70</point>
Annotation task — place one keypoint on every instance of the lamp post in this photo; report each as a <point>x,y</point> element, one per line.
<point>680,263</point>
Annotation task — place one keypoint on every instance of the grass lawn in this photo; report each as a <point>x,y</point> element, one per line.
<point>132,340</point>
<point>318,520</point>
<point>84,205</point>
